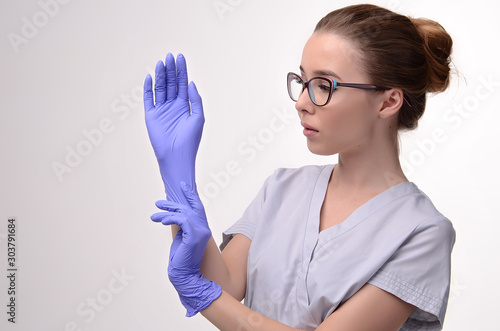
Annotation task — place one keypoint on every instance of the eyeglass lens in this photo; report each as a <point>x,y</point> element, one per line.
<point>319,89</point>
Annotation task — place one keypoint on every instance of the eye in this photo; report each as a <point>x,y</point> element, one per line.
<point>324,87</point>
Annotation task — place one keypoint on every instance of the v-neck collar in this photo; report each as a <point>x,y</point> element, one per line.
<point>357,216</point>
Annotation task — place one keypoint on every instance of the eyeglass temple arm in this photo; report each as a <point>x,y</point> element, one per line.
<point>363,86</point>
<point>371,87</point>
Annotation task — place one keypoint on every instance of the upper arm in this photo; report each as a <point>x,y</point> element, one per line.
<point>235,256</point>
<point>369,309</point>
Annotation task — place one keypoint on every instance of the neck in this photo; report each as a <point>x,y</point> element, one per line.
<point>370,168</point>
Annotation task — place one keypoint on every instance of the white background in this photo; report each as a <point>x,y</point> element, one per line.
<point>86,63</point>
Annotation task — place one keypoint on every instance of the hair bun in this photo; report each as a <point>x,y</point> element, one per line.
<point>437,46</point>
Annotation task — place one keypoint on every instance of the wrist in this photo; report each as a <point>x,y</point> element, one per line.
<point>195,291</point>
<point>172,174</point>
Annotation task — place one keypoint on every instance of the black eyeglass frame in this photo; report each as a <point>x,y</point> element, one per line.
<point>333,85</point>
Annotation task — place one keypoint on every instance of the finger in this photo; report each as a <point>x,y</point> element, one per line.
<point>182,221</point>
<point>169,218</point>
<point>148,93</point>
<point>169,205</point>
<point>196,103</point>
<point>171,77</point>
<point>158,217</point>
<point>182,77</point>
<point>160,83</point>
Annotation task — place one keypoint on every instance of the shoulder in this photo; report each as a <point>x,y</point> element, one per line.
<point>406,216</point>
<point>289,182</point>
<point>416,233</point>
<point>306,174</point>
<point>431,220</point>
<point>419,241</point>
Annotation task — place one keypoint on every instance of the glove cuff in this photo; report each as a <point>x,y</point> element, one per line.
<point>200,293</point>
<point>171,182</point>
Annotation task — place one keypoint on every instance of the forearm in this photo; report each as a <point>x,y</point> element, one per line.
<point>226,313</point>
<point>213,266</point>
<point>216,268</point>
<point>175,229</point>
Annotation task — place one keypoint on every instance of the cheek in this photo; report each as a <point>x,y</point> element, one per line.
<point>343,115</point>
<point>347,120</point>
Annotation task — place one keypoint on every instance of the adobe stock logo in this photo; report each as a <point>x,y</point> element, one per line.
<point>31,27</point>
<point>471,105</point>
<point>95,305</point>
<point>222,7</point>
<point>248,149</point>
<point>121,108</point>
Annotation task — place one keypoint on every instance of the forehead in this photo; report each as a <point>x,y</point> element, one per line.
<point>332,53</point>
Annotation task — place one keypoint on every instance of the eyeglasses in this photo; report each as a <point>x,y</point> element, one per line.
<point>320,89</point>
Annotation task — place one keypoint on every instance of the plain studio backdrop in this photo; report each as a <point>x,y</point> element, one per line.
<point>79,175</point>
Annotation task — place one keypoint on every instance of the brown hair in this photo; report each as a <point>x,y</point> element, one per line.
<point>397,52</point>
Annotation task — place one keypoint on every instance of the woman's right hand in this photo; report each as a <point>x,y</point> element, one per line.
<point>174,119</point>
<point>187,250</point>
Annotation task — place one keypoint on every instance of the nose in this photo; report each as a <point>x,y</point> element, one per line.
<point>304,103</point>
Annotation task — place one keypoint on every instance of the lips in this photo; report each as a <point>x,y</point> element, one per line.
<point>308,127</point>
<point>309,131</point>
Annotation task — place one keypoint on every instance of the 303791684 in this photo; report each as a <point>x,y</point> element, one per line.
<point>11,269</point>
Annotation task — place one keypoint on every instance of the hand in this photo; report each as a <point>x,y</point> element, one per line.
<point>195,291</point>
<point>175,124</point>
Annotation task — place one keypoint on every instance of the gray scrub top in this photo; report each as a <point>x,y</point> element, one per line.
<point>298,276</point>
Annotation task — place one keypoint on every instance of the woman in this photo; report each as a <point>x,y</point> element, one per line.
<point>351,246</point>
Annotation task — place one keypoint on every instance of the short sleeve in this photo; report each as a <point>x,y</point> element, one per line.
<point>419,273</point>
<point>247,224</point>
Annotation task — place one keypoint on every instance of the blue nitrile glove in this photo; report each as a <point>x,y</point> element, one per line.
<point>175,123</point>
<point>195,291</point>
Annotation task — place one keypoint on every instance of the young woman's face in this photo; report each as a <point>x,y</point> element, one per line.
<point>348,121</point>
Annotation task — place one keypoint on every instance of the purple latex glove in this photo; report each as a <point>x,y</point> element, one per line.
<point>175,124</point>
<point>195,291</point>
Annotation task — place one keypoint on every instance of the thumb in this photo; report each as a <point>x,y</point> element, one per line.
<point>196,103</point>
<point>193,199</point>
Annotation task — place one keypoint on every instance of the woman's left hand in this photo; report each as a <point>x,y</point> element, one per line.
<point>195,291</point>
<point>174,119</point>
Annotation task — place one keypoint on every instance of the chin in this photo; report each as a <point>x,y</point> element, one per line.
<point>321,150</point>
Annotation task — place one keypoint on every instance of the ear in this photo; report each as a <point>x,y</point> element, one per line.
<point>392,101</point>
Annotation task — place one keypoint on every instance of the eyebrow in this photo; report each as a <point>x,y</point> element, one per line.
<point>322,73</point>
